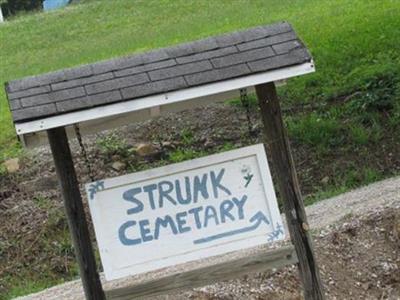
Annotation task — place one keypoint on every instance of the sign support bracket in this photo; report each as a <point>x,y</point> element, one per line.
<point>278,144</point>
<point>75,213</point>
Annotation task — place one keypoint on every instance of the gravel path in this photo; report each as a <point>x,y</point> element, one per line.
<point>385,193</point>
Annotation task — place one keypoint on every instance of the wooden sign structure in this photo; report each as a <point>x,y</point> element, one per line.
<point>116,92</point>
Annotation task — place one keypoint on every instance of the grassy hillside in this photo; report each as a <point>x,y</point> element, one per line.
<point>351,40</point>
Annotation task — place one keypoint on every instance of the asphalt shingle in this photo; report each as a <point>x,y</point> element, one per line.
<point>213,59</point>
<point>241,57</point>
<point>88,101</point>
<point>180,70</point>
<point>117,83</point>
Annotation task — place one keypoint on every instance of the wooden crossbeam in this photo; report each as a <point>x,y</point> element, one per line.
<point>207,275</point>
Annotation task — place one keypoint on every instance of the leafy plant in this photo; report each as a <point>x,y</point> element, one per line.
<point>113,144</point>
<point>187,137</point>
<point>315,129</point>
<point>359,134</point>
<point>184,154</point>
<point>42,202</point>
<point>227,146</point>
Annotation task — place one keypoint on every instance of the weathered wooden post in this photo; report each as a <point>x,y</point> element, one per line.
<point>277,140</point>
<point>75,213</point>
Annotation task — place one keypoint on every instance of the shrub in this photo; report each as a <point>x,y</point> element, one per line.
<point>12,7</point>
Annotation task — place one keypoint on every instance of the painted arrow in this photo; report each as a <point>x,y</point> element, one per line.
<point>257,219</point>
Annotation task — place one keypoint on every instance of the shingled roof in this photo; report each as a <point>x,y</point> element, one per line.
<point>220,58</point>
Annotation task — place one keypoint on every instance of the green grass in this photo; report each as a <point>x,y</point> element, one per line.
<point>180,155</point>
<point>349,39</point>
<point>352,179</point>
<point>315,129</point>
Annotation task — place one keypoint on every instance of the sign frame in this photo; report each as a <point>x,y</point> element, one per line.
<point>94,189</point>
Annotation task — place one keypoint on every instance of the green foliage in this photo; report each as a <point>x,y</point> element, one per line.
<point>352,179</point>
<point>42,202</point>
<point>326,193</point>
<point>111,144</point>
<point>26,286</point>
<point>378,92</point>
<point>227,146</point>
<point>187,137</point>
<point>184,154</point>
<point>394,116</point>
<point>315,130</point>
<point>253,102</point>
<point>359,134</point>
<point>10,150</point>
<point>357,177</point>
<point>3,170</point>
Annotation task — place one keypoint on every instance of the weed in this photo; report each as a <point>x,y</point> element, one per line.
<point>394,116</point>
<point>371,175</point>
<point>56,219</point>
<point>326,193</point>
<point>360,176</point>
<point>187,137</point>
<point>376,132</point>
<point>42,202</point>
<point>253,102</point>
<point>185,154</point>
<point>359,134</point>
<point>227,146</point>
<point>3,170</point>
<point>24,286</point>
<point>352,179</point>
<point>113,144</point>
<point>315,130</point>
<point>377,93</point>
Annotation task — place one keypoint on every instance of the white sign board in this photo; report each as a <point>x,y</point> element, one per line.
<point>184,212</point>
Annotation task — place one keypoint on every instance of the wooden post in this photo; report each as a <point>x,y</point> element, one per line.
<point>277,140</point>
<point>75,213</point>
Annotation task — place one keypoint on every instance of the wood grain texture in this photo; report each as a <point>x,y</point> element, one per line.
<point>75,213</point>
<point>207,275</point>
<point>278,144</point>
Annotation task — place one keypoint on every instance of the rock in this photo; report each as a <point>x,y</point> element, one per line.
<point>325,180</point>
<point>115,157</point>
<point>41,184</point>
<point>118,166</point>
<point>12,165</point>
<point>146,150</point>
<point>168,145</point>
<point>209,144</point>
